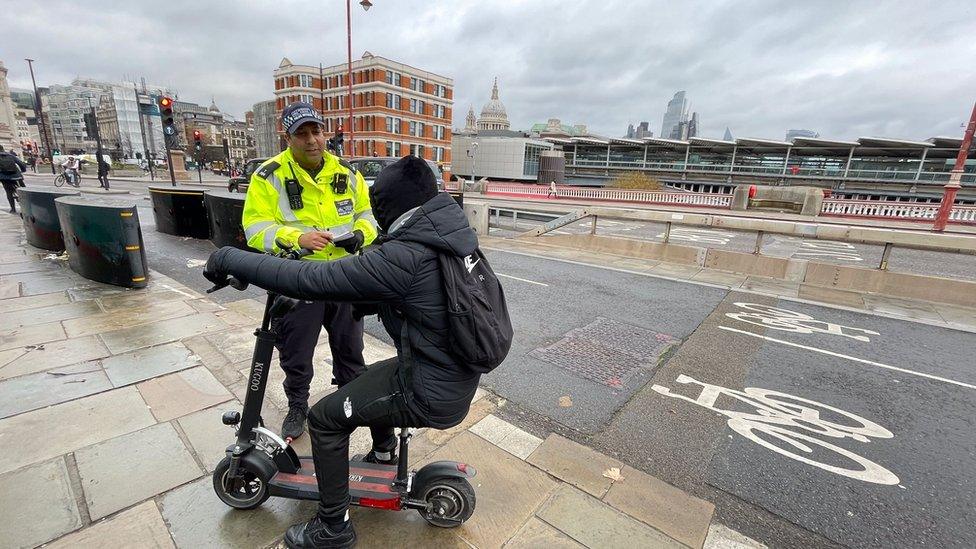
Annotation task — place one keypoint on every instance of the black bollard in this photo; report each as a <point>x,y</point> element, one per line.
<point>103,239</point>
<point>41,225</point>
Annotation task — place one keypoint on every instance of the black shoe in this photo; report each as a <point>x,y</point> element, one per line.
<point>294,424</point>
<point>371,458</point>
<point>316,534</point>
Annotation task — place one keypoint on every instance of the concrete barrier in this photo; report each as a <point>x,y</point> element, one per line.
<point>671,253</point>
<point>477,215</point>
<point>41,224</point>
<point>224,212</point>
<point>180,211</point>
<point>103,239</point>
<point>815,278</point>
<point>801,200</point>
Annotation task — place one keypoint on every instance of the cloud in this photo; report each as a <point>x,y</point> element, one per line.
<point>844,69</point>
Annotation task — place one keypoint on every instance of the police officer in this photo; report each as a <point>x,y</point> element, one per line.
<point>309,198</point>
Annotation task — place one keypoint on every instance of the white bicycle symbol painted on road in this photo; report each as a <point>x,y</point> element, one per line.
<point>786,420</point>
<point>791,321</point>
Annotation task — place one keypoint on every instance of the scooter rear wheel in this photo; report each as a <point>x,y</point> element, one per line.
<point>451,501</point>
<point>247,493</point>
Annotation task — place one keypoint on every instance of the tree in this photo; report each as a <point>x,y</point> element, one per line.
<point>636,181</point>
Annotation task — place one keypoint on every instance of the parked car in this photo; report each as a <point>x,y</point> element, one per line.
<point>371,166</point>
<point>239,183</point>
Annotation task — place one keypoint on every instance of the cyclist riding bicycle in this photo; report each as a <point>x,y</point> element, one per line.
<point>71,167</point>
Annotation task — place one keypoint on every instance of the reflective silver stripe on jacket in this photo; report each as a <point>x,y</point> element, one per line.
<point>269,240</point>
<point>254,228</point>
<point>365,215</point>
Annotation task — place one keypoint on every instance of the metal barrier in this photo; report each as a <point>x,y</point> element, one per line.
<point>41,224</point>
<point>705,200</point>
<point>180,211</point>
<point>224,212</point>
<point>832,207</point>
<point>103,239</point>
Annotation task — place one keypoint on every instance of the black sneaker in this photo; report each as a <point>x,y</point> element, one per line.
<point>294,424</point>
<point>371,458</point>
<point>316,534</point>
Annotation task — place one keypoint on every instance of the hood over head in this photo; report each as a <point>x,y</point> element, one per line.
<point>401,186</point>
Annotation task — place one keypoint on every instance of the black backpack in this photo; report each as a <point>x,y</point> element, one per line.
<point>479,328</point>
<point>8,164</point>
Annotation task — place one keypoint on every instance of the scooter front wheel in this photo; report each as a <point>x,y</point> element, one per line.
<point>451,501</point>
<point>245,492</point>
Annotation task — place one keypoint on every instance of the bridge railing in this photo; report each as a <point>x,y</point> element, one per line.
<point>901,211</point>
<point>832,207</point>
<point>706,200</point>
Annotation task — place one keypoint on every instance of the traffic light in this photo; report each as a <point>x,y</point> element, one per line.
<point>169,120</point>
<point>197,137</point>
<point>91,124</point>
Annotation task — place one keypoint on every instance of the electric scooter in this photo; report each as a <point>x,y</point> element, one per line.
<point>260,464</point>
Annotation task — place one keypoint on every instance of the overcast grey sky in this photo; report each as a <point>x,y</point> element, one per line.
<point>845,69</point>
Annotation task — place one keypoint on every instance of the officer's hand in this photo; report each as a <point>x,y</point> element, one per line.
<point>353,244</point>
<point>315,240</point>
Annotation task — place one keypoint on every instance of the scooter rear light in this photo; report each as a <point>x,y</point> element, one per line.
<point>392,504</point>
<point>463,467</point>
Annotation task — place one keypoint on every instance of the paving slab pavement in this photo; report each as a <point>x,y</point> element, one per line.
<point>161,364</point>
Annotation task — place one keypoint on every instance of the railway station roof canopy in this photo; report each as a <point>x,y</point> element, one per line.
<point>935,147</point>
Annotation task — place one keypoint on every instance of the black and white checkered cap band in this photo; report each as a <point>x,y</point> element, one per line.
<point>300,116</point>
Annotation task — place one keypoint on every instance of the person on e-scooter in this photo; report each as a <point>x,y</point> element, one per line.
<point>424,385</point>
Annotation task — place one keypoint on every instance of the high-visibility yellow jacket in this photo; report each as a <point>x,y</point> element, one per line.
<point>269,216</point>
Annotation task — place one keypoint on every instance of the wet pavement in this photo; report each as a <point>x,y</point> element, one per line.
<point>114,398</point>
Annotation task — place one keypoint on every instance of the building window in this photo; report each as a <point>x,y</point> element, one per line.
<point>440,111</point>
<point>413,105</point>
<point>530,165</point>
<point>420,107</point>
<point>389,100</point>
<point>389,80</point>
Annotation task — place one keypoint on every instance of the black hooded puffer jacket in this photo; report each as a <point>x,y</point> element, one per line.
<point>401,276</point>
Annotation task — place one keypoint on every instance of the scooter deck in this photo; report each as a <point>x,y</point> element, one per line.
<point>370,484</point>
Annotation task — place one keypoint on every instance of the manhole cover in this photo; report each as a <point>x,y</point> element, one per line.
<point>605,351</point>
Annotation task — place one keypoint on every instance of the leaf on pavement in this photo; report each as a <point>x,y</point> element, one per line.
<point>565,401</point>
<point>613,473</point>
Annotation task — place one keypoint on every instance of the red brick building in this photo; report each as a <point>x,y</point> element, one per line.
<point>397,110</point>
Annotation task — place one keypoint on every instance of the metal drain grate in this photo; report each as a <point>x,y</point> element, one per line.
<point>605,351</point>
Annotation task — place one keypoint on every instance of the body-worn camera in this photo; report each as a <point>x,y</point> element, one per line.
<point>340,182</point>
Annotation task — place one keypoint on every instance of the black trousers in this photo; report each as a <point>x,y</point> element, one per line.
<point>298,332</point>
<point>375,399</point>
<point>103,180</point>
<point>11,188</point>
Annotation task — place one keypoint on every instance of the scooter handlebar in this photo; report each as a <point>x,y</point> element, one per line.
<point>229,281</point>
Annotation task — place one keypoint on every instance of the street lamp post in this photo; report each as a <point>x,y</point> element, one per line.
<point>955,177</point>
<point>39,113</point>
<point>474,160</point>
<point>366,4</point>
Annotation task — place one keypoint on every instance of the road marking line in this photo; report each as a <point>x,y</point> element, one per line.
<point>694,282</point>
<point>522,279</point>
<point>848,357</point>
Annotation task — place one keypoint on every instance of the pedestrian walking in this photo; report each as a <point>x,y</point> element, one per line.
<point>11,175</point>
<point>103,168</point>
<point>32,162</point>
<point>552,190</point>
